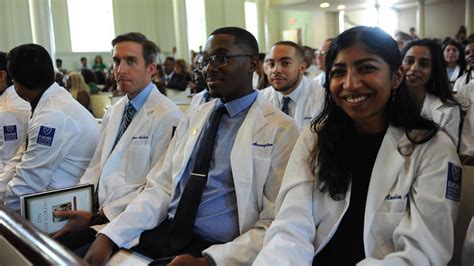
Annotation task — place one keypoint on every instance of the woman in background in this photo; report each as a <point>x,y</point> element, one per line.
<point>468,76</point>
<point>78,88</point>
<point>426,77</point>
<point>453,54</point>
<point>99,64</point>
<point>366,183</point>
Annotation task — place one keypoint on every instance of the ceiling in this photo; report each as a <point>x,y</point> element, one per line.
<point>349,4</point>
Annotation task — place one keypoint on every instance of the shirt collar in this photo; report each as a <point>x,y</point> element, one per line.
<point>294,94</point>
<point>236,106</point>
<point>139,100</point>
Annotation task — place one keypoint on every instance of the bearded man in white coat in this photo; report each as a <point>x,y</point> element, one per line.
<point>124,156</point>
<point>235,205</point>
<point>291,91</point>
<point>62,134</point>
<point>14,115</point>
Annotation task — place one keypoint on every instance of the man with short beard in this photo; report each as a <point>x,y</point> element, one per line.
<point>290,91</point>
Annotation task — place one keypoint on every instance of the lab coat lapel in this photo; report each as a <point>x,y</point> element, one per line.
<point>197,120</point>
<point>241,157</point>
<point>384,174</point>
<point>111,129</point>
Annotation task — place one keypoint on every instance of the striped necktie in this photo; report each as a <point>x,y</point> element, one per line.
<point>128,115</point>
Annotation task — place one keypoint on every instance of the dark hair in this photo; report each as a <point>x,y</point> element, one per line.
<point>83,58</point>
<point>438,83</point>
<point>468,67</point>
<point>149,48</point>
<point>169,58</point>
<point>299,53</point>
<point>89,76</point>
<point>3,66</point>
<point>330,158</point>
<point>100,59</point>
<point>261,56</point>
<point>242,38</point>
<point>31,66</point>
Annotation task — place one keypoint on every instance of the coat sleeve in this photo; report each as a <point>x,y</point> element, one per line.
<point>425,234</point>
<point>451,122</point>
<point>289,240</point>
<point>42,157</point>
<point>243,249</point>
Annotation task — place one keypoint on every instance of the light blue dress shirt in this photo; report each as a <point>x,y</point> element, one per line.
<point>217,217</point>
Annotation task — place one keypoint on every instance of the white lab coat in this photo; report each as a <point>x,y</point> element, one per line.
<point>258,160</point>
<point>14,115</point>
<point>466,97</point>
<point>197,99</point>
<point>461,81</point>
<point>320,79</point>
<point>408,220</point>
<point>468,247</point>
<point>54,159</point>
<point>308,105</point>
<point>447,117</point>
<point>122,171</point>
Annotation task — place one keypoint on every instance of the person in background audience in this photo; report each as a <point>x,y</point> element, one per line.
<point>171,79</point>
<point>311,69</point>
<point>181,68</point>
<point>211,198</point>
<point>14,115</point>
<point>460,36</point>
<point>78,88</point>
<point>83,63</point>
<point>453,54</point>
<point>99,64</point>
<point>371,177</point>
<point>321,59</point>
<point>62,134</point>
<point>59,66</point>
<point>413,34</point>
<point>136,132</point>
<point>291,91</point>
<point>59,78</point>
<point>426,77</point>
<point>468,76</point>
<point>91,80</point>
<point>199,86</point>
<point>262,79</point>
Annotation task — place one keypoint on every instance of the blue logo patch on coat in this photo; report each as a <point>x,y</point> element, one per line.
<point>45,136</point>
<point>453,184</point>
<point>10,133</point>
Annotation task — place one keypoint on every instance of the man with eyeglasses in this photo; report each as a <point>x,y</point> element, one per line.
<point>14,115</point>
<point>321,60</point>
<point>213,196</point>
<point>291,91</point>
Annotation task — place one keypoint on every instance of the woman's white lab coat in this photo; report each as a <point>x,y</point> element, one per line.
<point>466,97</point>
<point>408,218</point>
<point>122,171</point>
<point>447,117</point>
<point>62,137</point>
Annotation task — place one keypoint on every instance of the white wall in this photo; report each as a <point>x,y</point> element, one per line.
<point>15,25</point>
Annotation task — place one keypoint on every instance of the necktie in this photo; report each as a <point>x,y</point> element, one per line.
<point>181,230</point>
<point>128,115</point>
<point>284,105</point>
<point>207,96</point>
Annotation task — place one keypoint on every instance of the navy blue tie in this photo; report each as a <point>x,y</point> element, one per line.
<point>181,230</point>
<point>128,115</point>
<point>284,106</point>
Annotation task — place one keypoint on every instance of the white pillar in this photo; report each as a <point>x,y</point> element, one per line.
<point>469,19</point>
<point>42,25</point>
<point>180,29</point>
<point>420,18</point>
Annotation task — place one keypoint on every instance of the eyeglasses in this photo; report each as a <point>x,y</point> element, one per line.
<point>216,60</point>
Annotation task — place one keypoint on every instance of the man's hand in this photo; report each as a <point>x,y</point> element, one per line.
<point>186,259</point>
<point>77,220</point>
<point>100,250</point>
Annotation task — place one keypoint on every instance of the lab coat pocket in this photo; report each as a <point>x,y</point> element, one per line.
<point>261,169</point>
<point>386,220</point>
<point>138,161</point>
